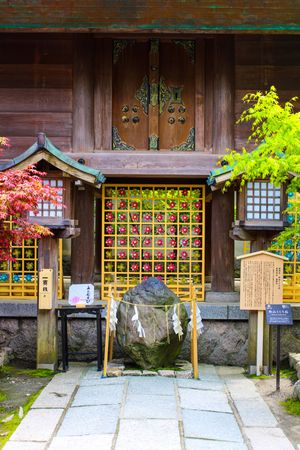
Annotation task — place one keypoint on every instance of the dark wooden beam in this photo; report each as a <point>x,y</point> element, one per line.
<point>83,94</point>
<point>145,163</point>
<point>82,249</point>
<point>222,246</point>
<point>270,16</point>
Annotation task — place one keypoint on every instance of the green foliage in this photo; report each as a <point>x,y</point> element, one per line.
<point>292,406</point>
<point>3,396</point>
<point>288,373</point>
<point>34,373</point>
<point>284,373</point>
<point>275,132</point>
<point>9,427</point>
<point>258,377</point>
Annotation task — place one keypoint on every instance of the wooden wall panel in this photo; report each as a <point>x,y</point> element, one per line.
<point>83,92</point>
<point>199,94</point>
<point>103,94</point>
<point>21,143</point>
<point>28,124</point>
<point>263,61</point>
<point>35,100</point>
<point>35,90</point>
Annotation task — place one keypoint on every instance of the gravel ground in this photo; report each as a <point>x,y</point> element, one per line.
<point>289,423</point>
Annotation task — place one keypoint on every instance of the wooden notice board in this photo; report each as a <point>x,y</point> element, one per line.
<point>261,280</point>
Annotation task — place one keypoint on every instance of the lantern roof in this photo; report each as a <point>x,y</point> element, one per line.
<point>44,149</point>
<point>218,177</point>
<point>260,253</point>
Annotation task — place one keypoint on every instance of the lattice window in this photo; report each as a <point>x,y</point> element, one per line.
<point>18,279</point>
<point>153,230</point>
<point>48,209</point>
<point>263,201</point>
<point>291,250</point>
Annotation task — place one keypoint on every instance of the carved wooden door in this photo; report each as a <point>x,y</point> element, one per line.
<point>153,95</point>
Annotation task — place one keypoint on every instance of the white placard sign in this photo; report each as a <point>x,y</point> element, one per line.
<point>81,294</point>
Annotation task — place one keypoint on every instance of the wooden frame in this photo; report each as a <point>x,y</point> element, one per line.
<point>259,223</point>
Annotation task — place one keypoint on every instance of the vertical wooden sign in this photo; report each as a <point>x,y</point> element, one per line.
<point>261,280</point>
<point>261,284</point>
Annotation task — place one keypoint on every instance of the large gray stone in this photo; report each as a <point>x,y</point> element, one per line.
<point>150,407</point>
<point>93,442</point>
<point>296,390</point>
<point>38,425</point>
<point>210,425</point>
<point>204,400</point>
<point>161,345</point>
<point>204,444</point>
<point>14,445</point>
<point>148,434</point>
<point>262,438</point>
<point>98,395</point>
<point>151,386</point>
<point>258,416</point>
<point>89,420</point>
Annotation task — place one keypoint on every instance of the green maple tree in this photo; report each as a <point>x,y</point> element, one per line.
<point>275,133</point>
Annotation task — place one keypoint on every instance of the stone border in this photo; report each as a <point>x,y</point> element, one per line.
<point>209,311</point>
<point>117,368</point>
<point>294,361</point>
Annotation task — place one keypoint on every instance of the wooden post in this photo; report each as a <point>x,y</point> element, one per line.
<point>261,242</point>
<point>98,224</point>
<point>83,94</point>
<point>252,334</point>
<point>208,239</point>
<point>259,342</point>
<point>107,333</point>
<point>268,349</point>
<point>194,341</point>
<point>47,355</point>
<point>222,246</point>
<point>82,247</point>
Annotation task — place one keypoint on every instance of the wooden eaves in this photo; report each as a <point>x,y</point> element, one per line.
<point>44,149</point>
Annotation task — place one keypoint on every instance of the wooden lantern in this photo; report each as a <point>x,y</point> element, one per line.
<point>50,214</point>
<point>63,173</point>
<point>260,206</point>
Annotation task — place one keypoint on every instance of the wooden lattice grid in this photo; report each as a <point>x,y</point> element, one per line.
<point>19,278</point>
<point>153,230</point>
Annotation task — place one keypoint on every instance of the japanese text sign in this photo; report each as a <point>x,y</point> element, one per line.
<point>82,294</point>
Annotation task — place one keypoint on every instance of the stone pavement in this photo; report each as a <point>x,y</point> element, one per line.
<point>78,410</point>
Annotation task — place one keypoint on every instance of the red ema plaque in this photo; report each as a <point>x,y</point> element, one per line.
<point>261,280</point>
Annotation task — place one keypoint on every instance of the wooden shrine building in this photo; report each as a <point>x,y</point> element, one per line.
<point>148,94</point>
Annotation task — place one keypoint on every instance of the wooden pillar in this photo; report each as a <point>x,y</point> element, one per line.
<point>47,355</point>
<point>98,223</point>
<point>222,246</point>
<point>103,94</point>
<point>83,94</point>
<point>83,250</point>
<point>261,242</point>
<point>208,239</point>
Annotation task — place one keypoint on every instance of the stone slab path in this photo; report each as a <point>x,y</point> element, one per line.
<point>79,410</point>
